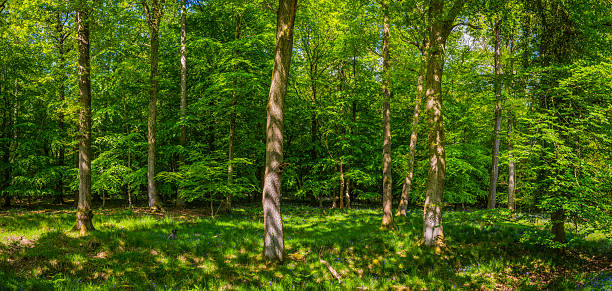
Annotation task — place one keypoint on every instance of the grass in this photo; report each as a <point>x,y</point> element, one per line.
<point>130,250</point>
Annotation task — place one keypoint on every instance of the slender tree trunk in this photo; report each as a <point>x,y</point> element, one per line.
<point>405,198</point>
<point>439,29</point>
<point>495,151</point>
<point>84,222</point>
<point>232,130</point>
<point>341,192</point>
<point>387,221</point>
<point>347,193</point>
<point>511,173</point>
<point>180,202</point>
<point>274,244</point>
<point>153,14</point>
<point>60,93</point>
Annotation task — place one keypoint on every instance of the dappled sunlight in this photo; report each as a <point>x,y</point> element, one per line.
<point>484,251</point>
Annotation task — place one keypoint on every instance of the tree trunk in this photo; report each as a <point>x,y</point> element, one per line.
<point>439,29</point>
<point>387,221</point>
<point>558,227</point>
<point>84,222</point>
<point>347,193</point>
<point>495,151</point>
<point>60,93</point>
<point>405,198</point>
<point>180,202</point>
<point>153,15</point>
<point>511,174</point>
<point>341,192</point>
<point>274,245</point>
<point>232,129</point>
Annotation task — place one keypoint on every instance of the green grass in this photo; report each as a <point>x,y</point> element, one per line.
<point>130,250</point>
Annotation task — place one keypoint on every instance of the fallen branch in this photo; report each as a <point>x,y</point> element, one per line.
<point>331,270</point>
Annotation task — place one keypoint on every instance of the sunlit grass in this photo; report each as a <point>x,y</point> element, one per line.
<point>130,250</point>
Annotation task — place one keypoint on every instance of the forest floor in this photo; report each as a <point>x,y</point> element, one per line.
<point>130,250</point>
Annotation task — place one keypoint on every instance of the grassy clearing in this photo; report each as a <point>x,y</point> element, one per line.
<point>130,250</point>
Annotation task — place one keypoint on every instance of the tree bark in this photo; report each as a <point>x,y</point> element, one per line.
<point>511,173</point>
<point>60,92</point>
<point>341,192</point>
<point>495,150</point>
<point>84,222</point>
<point>274,245</point>
<point>180,202</point>
<point>405,198</point>
<point>153,14</point>
<point>439,29</point>
<point>387,221</point>
<point>232,129</point>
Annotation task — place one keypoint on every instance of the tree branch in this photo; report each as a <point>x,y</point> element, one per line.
<point>2,6</point>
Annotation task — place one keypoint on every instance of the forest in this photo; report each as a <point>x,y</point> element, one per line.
<point>312,144</point>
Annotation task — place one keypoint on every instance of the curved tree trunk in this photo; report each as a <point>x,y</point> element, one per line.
<point>495,151</point>
<point>274,244</point>
<point>405,198</point>
<point>84,213</point>
<point>387,221</point>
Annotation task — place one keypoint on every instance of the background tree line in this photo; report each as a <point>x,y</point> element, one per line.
<point>524,89</point>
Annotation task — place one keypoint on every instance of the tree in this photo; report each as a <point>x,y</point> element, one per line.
<point>84,222</point>
<point>440,27</point>
<point>274,245</point>
<point>387,221</point>
<point>183,107</point>
<point>153,11</point>
<point>497,127</point>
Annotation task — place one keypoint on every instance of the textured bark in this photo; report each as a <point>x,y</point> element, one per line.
<point>405,197</point>
<point>497,127</point>
<point>274,244</point>
<point>84,214</point>
<point>153,14</point>
<point>387,221</point>
<point>511,173</point>
<point>439,29</point>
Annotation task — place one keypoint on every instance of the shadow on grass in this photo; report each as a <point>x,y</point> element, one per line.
<point>129,252</point>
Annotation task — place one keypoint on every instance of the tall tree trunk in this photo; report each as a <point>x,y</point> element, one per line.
<point>154,14</point>
<point>232,129</point>
<point>84,222</point>
<point>387,221</point>
<point>511,174</point>
<point>60,92</point>
<point>495,151</point>
<point>439,29</point>
<point>405,198</point>
<point>274,244</point>
<point>180,202</point>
